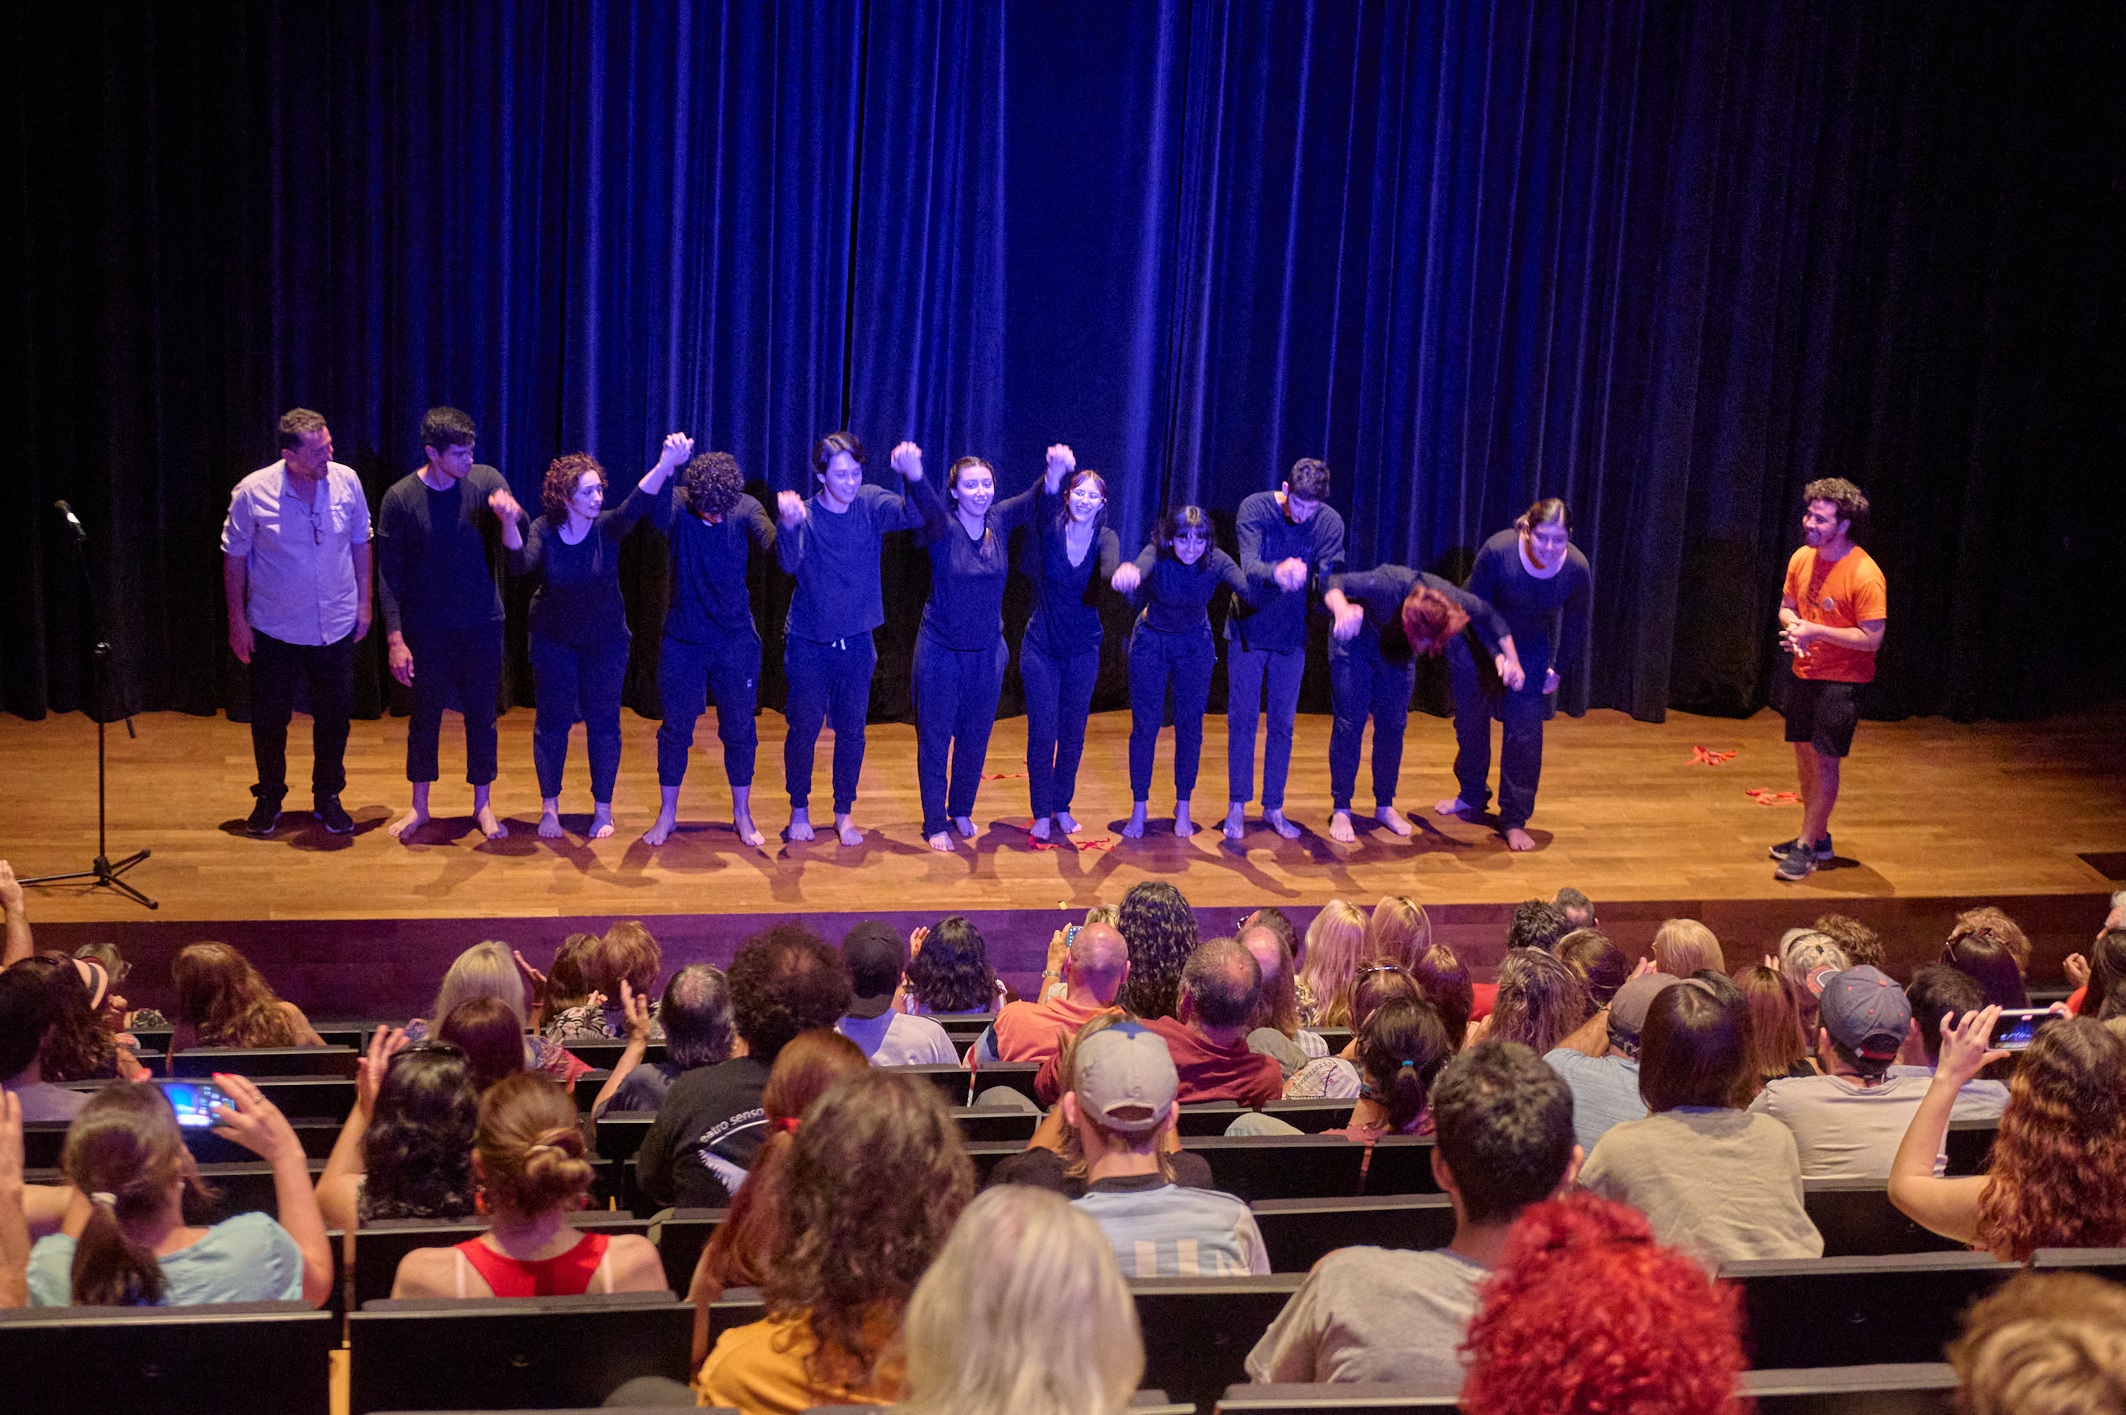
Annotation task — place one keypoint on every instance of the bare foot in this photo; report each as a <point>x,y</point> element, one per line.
<point>404,827</point>
<point>1393,819</point>
<point>549,824</point>
<point>1340,828</point>
<point>800,826</point>
<point>942,842</point>
<point>1183,826</point>
<point>965,826</point>
<point>490,824</point>
<point>1452,806</point>
<point>1066,822</point>
<point>1135,829</point>
<point>1236,824</point>
<point>845,829</point>
<point>601,821</point>
<point>1039,829</point>
<point>742,824</point>
<point>661,829</point>
<point>1519,839</point>
<point>1275,820</point>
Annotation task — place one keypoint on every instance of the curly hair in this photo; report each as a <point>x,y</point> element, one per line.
<point>786,980</point>
<point>1860,943</point>
<point>952,973</point>
<point>1540,1002</point>
<point>1156,923</point>
<point>713,483</point>
<point>2053,1181</point>
<point>1851,502</point>
<point>563,476</point>
<point>417,1152</point>
<point>1537,923</point>
<point>1664,1340</point>
<point>1430,619</point>
<point>878,1176</point>
<point>226,1001</point>
<point>295,424</point>
<point>77,1046</point>
<point>2043,1344</point>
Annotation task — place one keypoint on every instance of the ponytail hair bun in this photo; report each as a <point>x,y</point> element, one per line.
<point>530,1147</point>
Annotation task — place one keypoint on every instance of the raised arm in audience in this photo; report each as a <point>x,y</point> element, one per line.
<point>18,919</point>
<point>14,1226</point>
<point>257,1124</point>
<point>339,1187</point>
<point>637,1011</point>
<point>1948,1206</point>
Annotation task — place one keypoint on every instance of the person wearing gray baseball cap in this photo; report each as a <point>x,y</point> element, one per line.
<point>1605,1088</point>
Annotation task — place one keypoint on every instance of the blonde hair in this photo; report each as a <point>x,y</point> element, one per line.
<point>529,1146</point>
<point>1684,946</point>
<point>1023,1310</point>
<point>2044,1344</point>
<point>1336,946</point>
<point>1399,932</point>
<point>483,970</point>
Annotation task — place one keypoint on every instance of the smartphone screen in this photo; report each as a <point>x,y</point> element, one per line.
<point>194,1101</point>
<point>2017,1027</point>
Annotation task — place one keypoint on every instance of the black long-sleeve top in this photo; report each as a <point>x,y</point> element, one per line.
<point>1066,597</point>
<point>1176,598</point>
<point>1277,618</point>
<point>966,605</point>
<point>432,553</point>
<point>1381,591</point>
<point>1549,617</point>
<point>709,596</point>
<point>834,556</point>
<point>578,601</point>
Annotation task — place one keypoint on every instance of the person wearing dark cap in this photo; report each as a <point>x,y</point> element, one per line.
<point>1605,1088</point>
<point>876,958</point>
<point>1848,1122</point>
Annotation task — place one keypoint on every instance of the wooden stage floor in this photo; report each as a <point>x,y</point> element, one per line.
<point>1931,809</point>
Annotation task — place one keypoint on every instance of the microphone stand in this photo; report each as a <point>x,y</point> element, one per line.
<point>103,872</point>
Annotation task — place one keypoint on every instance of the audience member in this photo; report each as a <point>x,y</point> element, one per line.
<point>948,970</point>
<point>1806,958</point>
<point>1860,944</point>
<point>627,953</point>
<point>528,1156</point>
<point>1400,1050</point>
<point>133,1246</point>
<point>562,1010</point>
<point>1121,1102</point>
<point>740,1249</point>
<point>1335,951</point>
<point>1093,973</point>
<point>1683,946</point>
<point>1023,1311</point>
<point>1995,925</point>
<point>2043,1344</point>
<point>1053,1160</point>
<point>26,1021</point>
<point>1504,1122</point>
<point>1720,1181</point>
<point>1537,924</point>
<point>1337,1077</point>
<point>1274,919</point>
<point>14,1219</point>
<point>1443,980</point>
<point>1778,1048</point>
<point>877,1179</point>
<point>14,919</point>
<point>1605,1088</point>
<point>1399,932</point>
<point>784,981</point>
<point>1599,962</point>
<point>696,1018</point>
<point>1220,986</point>
<point>2100,990</point>
<point>2053,1179</point>
<point>1540,1000</point>
<point>222,1001</point>
<point>1987,956</point>
<point>77,1045</point>
<point>1589,1314</point>
<point>486,1033</point>
<point>1937,991</point>
<point>1276,1032</point>
<point>1578,909</point>
<point>489,970</point>
<point>1161,932</point>
<point>886,1035</point>
<point>406,1149</point>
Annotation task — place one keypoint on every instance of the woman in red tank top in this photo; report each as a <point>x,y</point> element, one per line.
<point>528,1156</point>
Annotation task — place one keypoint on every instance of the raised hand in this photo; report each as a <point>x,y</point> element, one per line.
<point>2074,964</point>
<point>10,888</point>
<point>255,1122</point>
<point>677,448</point>
<point>637,1011</point>
<point>369,1071</point>
<point>907,459</point>
<point>1061,462</point>
<point>533,978</point>
<point>1126,579</point>
<point>1964,1049</point>
<point>790,509</point>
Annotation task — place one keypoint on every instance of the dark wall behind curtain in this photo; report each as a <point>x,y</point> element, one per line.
<point>1667,259</point>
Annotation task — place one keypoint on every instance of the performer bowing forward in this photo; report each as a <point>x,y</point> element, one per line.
<point>1534,576</point>
<point>831,544</point>
<point>959,651</point>
<point>1385,618</point>
<point>1174,578</point>
<point>1059,659</point>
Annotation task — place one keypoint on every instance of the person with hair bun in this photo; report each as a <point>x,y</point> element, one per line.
<point>1386,619</point>
<point>1539,581</point>
<point>711,644</point>
<point>579,633</point>
<point>1588,1311</point>
<point>128,1240</point>
<point>528,1156</point>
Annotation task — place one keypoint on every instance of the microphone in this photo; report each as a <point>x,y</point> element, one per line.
<point>71,519</point>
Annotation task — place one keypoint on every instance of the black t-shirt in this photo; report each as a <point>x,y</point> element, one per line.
<point>432,553</point>
<point>707,1131</point>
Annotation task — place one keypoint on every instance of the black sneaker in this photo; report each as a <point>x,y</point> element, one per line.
<point>1795,864</point>
<point>1786,847</point>
<point>265,814</point>
<point>333,816</point>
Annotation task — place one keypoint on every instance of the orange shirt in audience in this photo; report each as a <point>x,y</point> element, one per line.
<point>759,1368</point>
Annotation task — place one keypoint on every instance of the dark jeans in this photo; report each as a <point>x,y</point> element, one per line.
<point>827,682</point>
<point>1059,696</point>
<point>462,666</point>
<point>1246,672</point>
<point>1155,660</point>
<point>1361,683</point>
<point>275,669</point>
<point>955,708</point>
<point>686,673</point>
<point>1521,752</point>
<point>578,683</point>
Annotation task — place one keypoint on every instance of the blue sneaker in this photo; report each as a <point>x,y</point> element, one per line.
<point>1787,847</point>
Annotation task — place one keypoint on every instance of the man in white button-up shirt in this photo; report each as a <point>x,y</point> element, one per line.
<point>295,567</point>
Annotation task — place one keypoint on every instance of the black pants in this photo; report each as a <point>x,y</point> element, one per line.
<point>686,674</point>
<point>828,682</point>
<point>955,708</point>
<point>1156,660</point>
<point>1362,683</point>
<point>461,667</point>
<point>1059,696</point>
<point>275,669</point>
<point>573,683</point>
<point>1247,672</point>
<point>1520,752</point>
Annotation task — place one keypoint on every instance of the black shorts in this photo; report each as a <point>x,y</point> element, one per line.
<point>1822,713</point>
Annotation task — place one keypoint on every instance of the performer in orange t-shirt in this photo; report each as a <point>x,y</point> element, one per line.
<point>1831,618</point>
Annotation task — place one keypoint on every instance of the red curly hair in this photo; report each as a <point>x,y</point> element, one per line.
<point>2054,1176</point>
<point>1430,619</point>
<point>1662,1338</point>
<point>563,476</point>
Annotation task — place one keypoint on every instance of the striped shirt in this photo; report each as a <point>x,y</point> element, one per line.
<point>1158,1229</point>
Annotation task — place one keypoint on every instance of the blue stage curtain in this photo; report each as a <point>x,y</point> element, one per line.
<point>1669,259</point>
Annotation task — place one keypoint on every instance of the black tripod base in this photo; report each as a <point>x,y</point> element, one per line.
<point>104,874</point>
